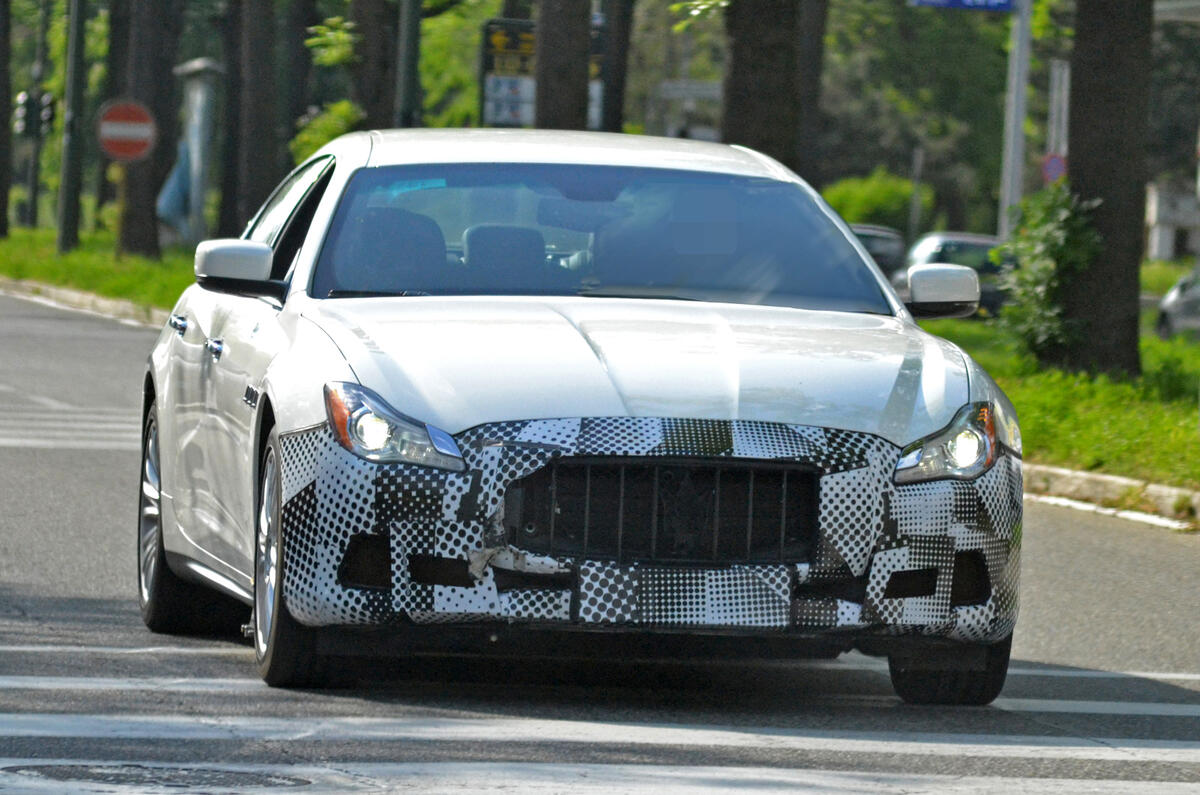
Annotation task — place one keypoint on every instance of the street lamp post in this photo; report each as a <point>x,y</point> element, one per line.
<point>1013,170</point>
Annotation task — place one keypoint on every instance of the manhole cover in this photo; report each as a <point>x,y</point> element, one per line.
<point>170,777</point>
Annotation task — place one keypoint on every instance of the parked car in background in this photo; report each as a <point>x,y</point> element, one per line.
<point>1179,310</point>
<point>958,248</point>
<point>884,244</point>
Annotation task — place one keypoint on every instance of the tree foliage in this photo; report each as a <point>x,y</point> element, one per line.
<point>1055,238</point>
<point>880,198</point>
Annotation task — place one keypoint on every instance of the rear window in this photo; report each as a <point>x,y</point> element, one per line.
<point>530,229</point>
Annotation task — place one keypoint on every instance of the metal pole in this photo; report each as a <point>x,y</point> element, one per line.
<point>1060,99</point>
<point>40,68</point>
<point>72,167</point>
<point>408,64</point>
<point>1014,113</point>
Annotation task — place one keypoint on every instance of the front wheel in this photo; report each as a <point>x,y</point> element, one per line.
<point>973,688</point>
<point>285,650</point>
<point>1163,328</point>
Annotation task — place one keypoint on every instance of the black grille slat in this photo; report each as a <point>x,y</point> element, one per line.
<point>679,511</point>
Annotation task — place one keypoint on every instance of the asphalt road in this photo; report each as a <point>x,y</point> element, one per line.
<point>1103,696</point>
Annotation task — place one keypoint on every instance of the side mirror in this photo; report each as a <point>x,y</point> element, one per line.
<point>941,290</point>
<point>241,267</point>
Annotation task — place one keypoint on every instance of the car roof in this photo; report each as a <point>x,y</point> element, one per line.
<point>963,237</point>
<point>875,229</point>
<point>417,146</point>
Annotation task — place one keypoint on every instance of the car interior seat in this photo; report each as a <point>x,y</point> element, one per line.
<point>392,250</point>
<point>498,256</point>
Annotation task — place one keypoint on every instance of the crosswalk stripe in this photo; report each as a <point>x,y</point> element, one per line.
<point>233,685</point>
<point>205,651</point>
<point>71,444</point>
<point>850,662</point>
<point>534,730</point>
<point>39,775</point>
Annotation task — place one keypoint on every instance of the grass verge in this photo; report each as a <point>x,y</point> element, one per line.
<point>30,254</point>
<point>1146,428</point>
<point>1159,276</point>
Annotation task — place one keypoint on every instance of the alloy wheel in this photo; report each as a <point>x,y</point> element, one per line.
<point>266,567</point>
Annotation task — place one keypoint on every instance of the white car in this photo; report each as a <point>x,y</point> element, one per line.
<point>540,386</point>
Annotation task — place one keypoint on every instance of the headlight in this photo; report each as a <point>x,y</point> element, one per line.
<point>368,427</point>
<point>963,451</point>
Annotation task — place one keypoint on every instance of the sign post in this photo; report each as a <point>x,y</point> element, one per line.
<point>127,133</point>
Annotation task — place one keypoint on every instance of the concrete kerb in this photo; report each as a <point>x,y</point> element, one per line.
<point>117,308</point>
<point>1126,497</point>
<point>1114,491</point>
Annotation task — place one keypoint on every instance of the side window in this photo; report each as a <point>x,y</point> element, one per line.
<point>293,236</point>
<point>275,213</point>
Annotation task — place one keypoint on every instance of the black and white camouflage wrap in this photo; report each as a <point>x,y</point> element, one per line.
<point>867,527</point>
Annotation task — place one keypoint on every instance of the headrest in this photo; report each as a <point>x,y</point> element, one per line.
<point>503,248</point>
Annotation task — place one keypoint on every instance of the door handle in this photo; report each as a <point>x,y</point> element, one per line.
<point>215,348</point>
<point>178,322</point>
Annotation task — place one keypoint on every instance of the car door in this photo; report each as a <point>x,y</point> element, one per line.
<point>183,411</point>
<point>246,331</point>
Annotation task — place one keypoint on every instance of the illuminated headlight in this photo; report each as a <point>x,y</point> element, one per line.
<point>962,451</point>
<point>368,427</point>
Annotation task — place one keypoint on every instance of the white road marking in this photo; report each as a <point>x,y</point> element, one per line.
<point>222,651</point>
<point>69,428</point>
<point>1129,516</point>
<point>853,661</point>
<point>532,730</point>
<point>167,684</point>
<point>534,777</point>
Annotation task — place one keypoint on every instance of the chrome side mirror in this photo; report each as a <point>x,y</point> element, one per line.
<point>942,290</point>
<point>241,267</point>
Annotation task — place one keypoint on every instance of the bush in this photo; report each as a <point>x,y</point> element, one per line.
<point>338,118</point>
<point>1054,237</point>
<point>881,198</point>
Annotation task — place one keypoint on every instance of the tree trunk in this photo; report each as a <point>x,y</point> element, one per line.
<point>229,220</point>
<point>372,76</point>
<point>517,9</point>
<point>301,15</point>
<point>258,149</point>
<point>1110,87</point>
<point>564,30</point>
<point>114,84</point>
<point>760,83</point>
<point>6,140</point>
<point>154,31</point>
<point>618,20</point>
<point>810,60</point>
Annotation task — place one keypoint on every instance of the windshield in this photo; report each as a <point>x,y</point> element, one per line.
<point>528,229</point>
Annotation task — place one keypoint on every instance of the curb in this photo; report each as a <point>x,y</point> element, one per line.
<point>1181,506</point>
<point>117,308</point>
<point>1114,491</point>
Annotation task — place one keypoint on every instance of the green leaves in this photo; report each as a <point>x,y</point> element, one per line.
<point>1055,236</point>
<point>332,42</point>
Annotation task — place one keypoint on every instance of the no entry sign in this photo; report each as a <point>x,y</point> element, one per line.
<point>127,130</point>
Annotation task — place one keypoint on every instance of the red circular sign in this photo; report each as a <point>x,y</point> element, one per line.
<point>127,130</point>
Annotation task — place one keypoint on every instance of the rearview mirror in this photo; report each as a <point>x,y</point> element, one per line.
<point>942,290</point>
<point>241,267</point>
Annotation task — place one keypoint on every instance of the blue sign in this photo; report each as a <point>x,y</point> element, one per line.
<point>978,5</point>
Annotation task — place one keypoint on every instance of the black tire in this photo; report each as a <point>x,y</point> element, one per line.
<point>967,688</point>
<point>169,604</point>
<point>1163,327</point>
<point>284,649</point>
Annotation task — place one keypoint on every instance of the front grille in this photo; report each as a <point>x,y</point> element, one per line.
<point>676,511</point>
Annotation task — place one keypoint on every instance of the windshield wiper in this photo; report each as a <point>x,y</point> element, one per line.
<point>373,293</point>
<point>633,291</point>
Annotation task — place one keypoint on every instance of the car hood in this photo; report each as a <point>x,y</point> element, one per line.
<point>461,362</point>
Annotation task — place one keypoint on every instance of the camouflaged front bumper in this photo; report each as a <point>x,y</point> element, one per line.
<point>867,528</point>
